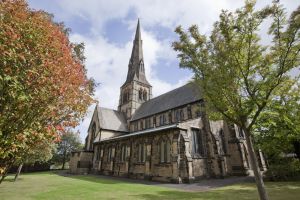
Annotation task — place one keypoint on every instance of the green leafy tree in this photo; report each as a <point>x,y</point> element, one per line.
<point>236,73</point>
<point>277,131</point>
<point>69,142</point>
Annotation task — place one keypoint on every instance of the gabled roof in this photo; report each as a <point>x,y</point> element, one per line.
<point>112,120</point>
<point>180,96</point>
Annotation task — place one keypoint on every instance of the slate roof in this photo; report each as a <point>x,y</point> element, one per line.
<point>112,120</point>
<point>161,128</point>
<point>180,96</point>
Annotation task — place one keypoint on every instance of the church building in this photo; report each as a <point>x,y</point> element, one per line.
<point>166,138</point>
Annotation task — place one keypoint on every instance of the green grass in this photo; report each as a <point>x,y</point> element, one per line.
<point>49,185</point>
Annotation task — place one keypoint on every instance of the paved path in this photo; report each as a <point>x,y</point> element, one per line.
<point>203,185</point>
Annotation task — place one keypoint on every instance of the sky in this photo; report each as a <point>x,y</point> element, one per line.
<point>107,29</point>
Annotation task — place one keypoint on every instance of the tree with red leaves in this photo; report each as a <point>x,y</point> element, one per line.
<point>43,83</point>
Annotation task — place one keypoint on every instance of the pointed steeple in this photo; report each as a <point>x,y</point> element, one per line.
<point>136,70</point>
<point>138,31</point>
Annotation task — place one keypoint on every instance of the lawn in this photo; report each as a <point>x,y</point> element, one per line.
<point>50,185</point>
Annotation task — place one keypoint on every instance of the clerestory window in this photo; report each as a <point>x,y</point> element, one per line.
<point>164,152</point>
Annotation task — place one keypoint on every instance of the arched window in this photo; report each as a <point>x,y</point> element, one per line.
<point>97,153</point>
<point>197,142</point>
<point>142,153</point>
<point>162,119</point>
<point>181,115</point>
<point>164,151</point>
<point>125,97</point>
<point>142,66</point>
<point>170,117</point>
<point>141,94</point>
<point>110,155</point>
<point>123,154</point>
<point>223,141</point>
<point>145,95</point>
<point>93,135</point>
<point>189,112</point>
<point>147,123</point>
<point>93,130</point>
<point>136,126</point>
<point>141,125</point>
<point>177,115</point>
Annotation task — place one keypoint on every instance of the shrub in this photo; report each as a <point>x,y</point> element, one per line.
<point>283,170</point>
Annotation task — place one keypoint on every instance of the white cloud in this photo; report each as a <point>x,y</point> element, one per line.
<point>167,13</point>
<point>107,62</point>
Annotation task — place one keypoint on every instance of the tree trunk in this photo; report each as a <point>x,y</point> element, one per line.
<point>2,177</point>
<point>64,160</point>
<point>4,174</point>
<point>6,171</point>
<point>254,164</point>
<point>18,172</point>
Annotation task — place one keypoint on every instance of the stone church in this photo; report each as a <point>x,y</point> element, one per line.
<point>167,138</point>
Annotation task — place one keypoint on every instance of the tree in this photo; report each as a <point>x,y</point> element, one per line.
<point>277,131</point>
<point>43,82</point>
<point>236,73</point>
<point>69,142</point>
<point>40,152</point>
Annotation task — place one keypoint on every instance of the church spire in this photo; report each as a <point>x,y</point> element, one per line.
<point>137,50</point>
<point>136,70</point>
<point>136,90</point>
<point>138,31</point>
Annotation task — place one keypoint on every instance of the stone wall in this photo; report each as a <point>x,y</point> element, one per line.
<point>150,167</point>
<point>181,114</point>
<point>183,166</point>
<point>224,151</point>
<point>81,162</point>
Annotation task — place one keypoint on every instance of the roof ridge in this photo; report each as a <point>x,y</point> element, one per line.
<point>168,92</point>
<point>108,109</point>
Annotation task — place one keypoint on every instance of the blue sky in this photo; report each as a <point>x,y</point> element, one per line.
<point>107,28</point>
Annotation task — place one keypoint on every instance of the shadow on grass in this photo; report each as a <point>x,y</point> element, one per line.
<point>238,194</point>
<point>106,179</point>
<point>207,183</point>
<point>91,178</point>
<point>9,179</point>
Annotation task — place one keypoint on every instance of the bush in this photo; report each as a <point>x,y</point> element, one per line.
<point>283,170</point>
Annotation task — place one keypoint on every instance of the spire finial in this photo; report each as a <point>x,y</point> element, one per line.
<point>138,31</point>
